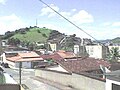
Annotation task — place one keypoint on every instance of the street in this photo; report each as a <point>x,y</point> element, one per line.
<point>26,79</point>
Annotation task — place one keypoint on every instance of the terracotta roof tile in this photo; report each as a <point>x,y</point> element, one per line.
<point>64,54</point>
<point>52,56</point>
<point>15,58</point>
<point>18,58</point>
<point>82,65</point>
<point>28,54</point>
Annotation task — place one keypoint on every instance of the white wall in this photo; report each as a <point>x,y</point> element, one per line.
<point>109,84</point>
<point>24,64</point>
<point>79,82</point>
<point>53,47</point>
<point>94,51</point>
<point>3,57</point>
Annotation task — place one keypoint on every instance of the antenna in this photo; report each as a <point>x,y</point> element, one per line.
<point>36,22</point>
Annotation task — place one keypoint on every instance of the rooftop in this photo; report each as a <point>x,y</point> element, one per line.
<point>29,56</point>
<point>82,65</point>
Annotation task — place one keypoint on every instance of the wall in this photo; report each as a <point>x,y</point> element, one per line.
<point>10,87</point>
<point>53,47</point>
<point>80,82</point>
<point>24,65</point>
<point>11,64</point>
<point>94,51</point>
<point>109,84</point>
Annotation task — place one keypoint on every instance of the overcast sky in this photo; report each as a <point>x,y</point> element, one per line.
<point>99,18</point>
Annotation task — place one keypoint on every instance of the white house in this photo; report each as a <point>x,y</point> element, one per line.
<point>113,80</point>
<point>96,51</point>
<point>28,59</point>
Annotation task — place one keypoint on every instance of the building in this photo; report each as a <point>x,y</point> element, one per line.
<point>97,51</point>
<point>28,59</point>
<point>85,71</point>
<point>113,80</point>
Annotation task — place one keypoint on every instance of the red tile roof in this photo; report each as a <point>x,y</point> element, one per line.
<point>15,58</point>
<point>29,56</point>
<point>82,65</point>
<point>18,59</point>
<point>52,56</point>
<point>65,54</point>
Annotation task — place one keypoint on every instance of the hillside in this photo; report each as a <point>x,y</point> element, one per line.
<point>29,36</point>
<point>34,35</point>
<point>116,40</point>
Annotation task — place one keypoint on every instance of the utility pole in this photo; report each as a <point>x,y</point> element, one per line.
<point>20,65</point>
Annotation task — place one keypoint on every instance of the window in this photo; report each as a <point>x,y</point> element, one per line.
<point>115,87</point>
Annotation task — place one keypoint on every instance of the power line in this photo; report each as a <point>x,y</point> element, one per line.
<point>69,21</point>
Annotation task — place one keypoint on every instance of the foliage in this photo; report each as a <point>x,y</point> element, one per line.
<point>33,35</point>
<point>8,34</point>
<point>2,79</point>
<point>54,34</point>
<point>13,41</point>
<point>44,35</point>
<point>38,31</point>
<point>114,54</point>
<point>116,40</point>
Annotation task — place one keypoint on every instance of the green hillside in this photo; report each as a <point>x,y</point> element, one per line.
<point>33,35</point>
<point>116,40</point>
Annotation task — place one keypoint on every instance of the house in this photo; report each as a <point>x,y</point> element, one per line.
<point>97,51</point>
<point>113,80</point>
<point>28,59</point>
<point>65,54</point>
<point>11,51</point>
<point>85,71</point>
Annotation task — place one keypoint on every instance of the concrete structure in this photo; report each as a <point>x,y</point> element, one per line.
<point>76,49</point>
<point>53,46</point>
<point>78,81</point>
<point>97,51</point>
<point>28,59</point>
<point>113,80</point>
<point>79,73</point>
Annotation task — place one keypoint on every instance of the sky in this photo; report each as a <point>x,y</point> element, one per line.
<point>99,18</point>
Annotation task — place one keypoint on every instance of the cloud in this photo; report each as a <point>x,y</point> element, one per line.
<point>106,24</point>
<point>116,24</point>
<point>2,1</point>
<point>66,14</point>
<point>82,17</point>
<point>73,10</point>
<point>47,11</point>
<point>10,23</point>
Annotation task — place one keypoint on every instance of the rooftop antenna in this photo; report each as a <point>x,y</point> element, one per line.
<point>36,22</point>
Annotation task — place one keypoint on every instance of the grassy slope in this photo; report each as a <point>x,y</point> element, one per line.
<point>116,40</point>
<point>33,35</point>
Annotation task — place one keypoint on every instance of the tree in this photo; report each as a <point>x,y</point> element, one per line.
<point>114,54</point>
<point>13,41</point>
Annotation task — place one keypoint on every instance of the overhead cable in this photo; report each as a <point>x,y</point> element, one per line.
<point>68,20</point>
